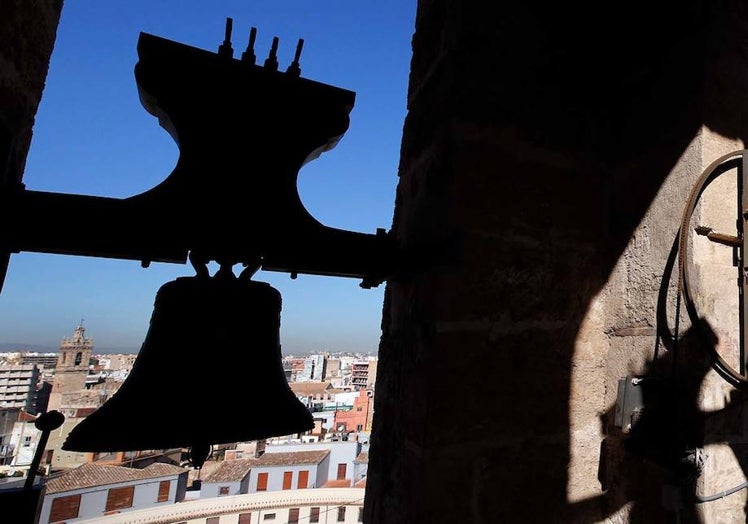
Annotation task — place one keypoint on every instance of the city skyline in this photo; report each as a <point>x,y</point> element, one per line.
<point>93,137</point>
<point>12,347</point>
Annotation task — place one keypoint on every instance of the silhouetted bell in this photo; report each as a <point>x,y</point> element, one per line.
<point>209,372</point>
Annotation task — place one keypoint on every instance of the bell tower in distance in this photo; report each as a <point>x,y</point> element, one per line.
<point>72,366</point>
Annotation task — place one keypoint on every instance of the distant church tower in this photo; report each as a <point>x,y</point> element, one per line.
<point>72,367</point>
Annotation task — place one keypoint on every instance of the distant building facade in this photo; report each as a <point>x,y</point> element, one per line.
<point>314,395</point>
<point>339,459</point>
<point>314,369</point>
<point>43,360</point>
<point>8,419</point>
<point>333,369</point>
<point>76,393</point>
<point>23,441</point>
<point>55,456</point>
<point>359,417</point>
<point>360,467</point>
<point>230,478</point>
<point>289,470</point>
<point>117,362</point>
<point>293,367</point>
<point>18,386</point>
<point>364,373</point>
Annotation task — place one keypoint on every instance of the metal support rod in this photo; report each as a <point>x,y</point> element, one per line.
<point>135,229</point>
<point>46,423</point>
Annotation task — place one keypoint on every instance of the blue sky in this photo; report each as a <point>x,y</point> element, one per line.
<point>93,137</point>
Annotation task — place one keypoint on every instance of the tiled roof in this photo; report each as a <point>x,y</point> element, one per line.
<point>89,475</point>
<point>26,417</point>
<point>83,412</point>
<point>230,471</point>
<point>312,388</point>
<point>292,458</point>
<point>342,483</point>
<point>362,458</point>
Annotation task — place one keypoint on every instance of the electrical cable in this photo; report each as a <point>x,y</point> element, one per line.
<point>664,334</point>
<point>722,494</point>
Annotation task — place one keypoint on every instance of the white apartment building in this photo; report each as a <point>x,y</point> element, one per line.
<point>314,369</point>
<point>23,441</point>
<point>92,491</point>
<point>230,478</point>
<point>338,464</point>
<point>364,373</point>
<point>18,386</point>
<point>295,469</point>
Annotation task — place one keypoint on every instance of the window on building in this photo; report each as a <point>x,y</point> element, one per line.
<point>212,520</point>
<point>119,498</point>
<point>287,479</point>
<point>360,515</point>
<point>262,482</point>
<point>341,471</point>
<point>65,508</point>
<point>359,427</point>
<point>303,481</point>
<point>245,518</point>
<point>223,490</point>
<point>293,516</point>
<point>359,408</point>
<point>341,514</point>
<point>78,358</point>
<point>314,515</point>
<point>268,516</point>
<point>163,490</point>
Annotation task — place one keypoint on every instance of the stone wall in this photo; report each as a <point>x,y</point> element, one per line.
<point>27,36</point>
<point>547,156</point>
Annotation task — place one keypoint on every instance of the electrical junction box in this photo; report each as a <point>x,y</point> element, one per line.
<point>629,402</point>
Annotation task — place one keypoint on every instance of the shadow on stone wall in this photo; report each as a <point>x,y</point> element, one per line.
<point>539,135</point>
<point>654,466</point>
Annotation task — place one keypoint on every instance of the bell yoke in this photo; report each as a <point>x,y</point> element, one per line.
<point>243,132</point>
